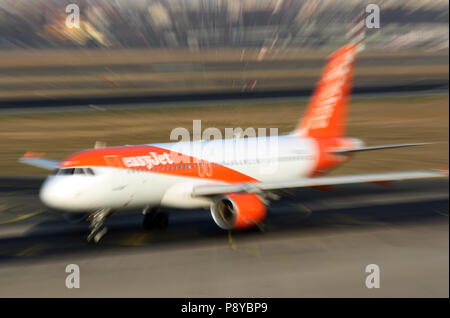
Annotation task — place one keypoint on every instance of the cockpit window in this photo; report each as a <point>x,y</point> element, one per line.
<point>71,171</point>
<point>66,172</point>
<point>79,171</point>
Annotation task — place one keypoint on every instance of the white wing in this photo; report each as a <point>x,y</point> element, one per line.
<point>258,187</point>
<point>40,162</point>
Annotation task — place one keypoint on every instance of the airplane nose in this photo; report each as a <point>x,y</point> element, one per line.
<point>49,194</point>
<point>58,195</point>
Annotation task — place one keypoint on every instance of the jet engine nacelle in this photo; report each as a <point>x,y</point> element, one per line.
<point>238,211</point>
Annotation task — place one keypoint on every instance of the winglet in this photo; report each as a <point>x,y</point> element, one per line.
<point>33,154</point>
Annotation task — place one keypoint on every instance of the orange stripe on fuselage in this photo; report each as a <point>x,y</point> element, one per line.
<point>153,159</point>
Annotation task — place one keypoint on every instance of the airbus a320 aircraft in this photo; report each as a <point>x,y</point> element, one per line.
<point>236,189</point>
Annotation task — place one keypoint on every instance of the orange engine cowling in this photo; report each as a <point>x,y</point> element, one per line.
<point>238,211</point>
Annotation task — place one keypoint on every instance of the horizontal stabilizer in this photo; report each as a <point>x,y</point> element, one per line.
<point>358,149</point>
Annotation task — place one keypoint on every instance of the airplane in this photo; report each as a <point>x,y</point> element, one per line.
<point>237,191</point>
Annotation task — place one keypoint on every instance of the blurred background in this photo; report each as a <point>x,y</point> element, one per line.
<point>146,53</point>
<point>201,24</point>
<point>136,69</point>
<point>154,47</point>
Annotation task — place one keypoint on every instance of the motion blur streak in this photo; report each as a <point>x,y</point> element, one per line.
<point>343,189</point>
<point>235,187</point>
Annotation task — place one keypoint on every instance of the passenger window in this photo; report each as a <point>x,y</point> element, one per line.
<point>89,171</point>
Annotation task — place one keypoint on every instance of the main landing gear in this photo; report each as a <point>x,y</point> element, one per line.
<point>154,219</point>
<point>97,220</point>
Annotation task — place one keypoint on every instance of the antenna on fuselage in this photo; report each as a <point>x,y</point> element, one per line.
<point>99,144</point>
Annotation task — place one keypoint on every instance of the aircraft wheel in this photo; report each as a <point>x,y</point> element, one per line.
<point>148,222</point>
<point>155,221</point>
<point>161,221</point>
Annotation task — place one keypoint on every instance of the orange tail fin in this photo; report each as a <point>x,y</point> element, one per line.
<point>326,115</point>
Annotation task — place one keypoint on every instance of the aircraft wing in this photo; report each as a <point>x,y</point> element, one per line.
<point>34,159</point>
<point>259,187</point>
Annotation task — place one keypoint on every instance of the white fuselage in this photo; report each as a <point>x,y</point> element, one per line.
<point>250,159</point>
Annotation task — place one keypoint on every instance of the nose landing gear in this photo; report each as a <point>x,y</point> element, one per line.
<point>97,220</point>
<point>154,219</point>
